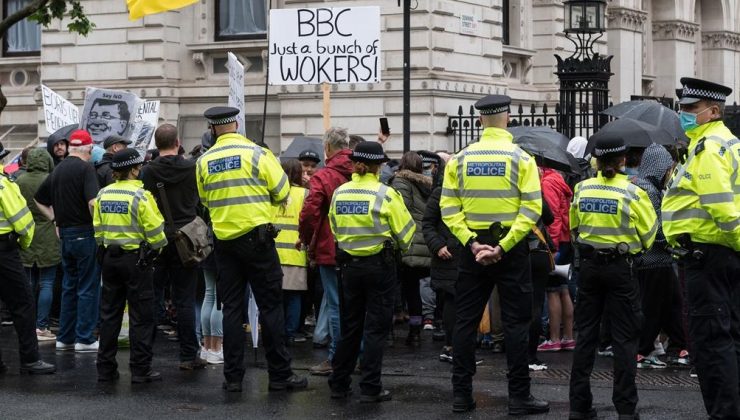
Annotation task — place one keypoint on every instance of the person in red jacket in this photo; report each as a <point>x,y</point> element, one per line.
<point>558,195</point>
<point>315,234</point>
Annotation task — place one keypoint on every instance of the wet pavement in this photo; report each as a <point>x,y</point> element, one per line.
<point>419,382</point>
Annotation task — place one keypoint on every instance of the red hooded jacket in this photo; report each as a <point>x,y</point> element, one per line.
<point>314,218</point>
<point>558,196</point>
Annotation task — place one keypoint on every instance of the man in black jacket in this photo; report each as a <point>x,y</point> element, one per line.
<point>177,178</point>
<point>112,145</point>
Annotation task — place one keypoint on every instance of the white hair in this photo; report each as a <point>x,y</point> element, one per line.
<point>336,138</point>
<point>81,149</point>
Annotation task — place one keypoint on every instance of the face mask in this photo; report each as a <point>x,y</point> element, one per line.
<point>688,119</point>
<point>427,172</point>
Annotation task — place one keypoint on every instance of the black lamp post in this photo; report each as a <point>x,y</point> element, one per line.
<point>584,76</point>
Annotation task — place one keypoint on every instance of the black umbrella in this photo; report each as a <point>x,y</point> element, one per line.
<point>62,134</point>
<point>652,113</point>
<point>543,145</point>
<point>540,133</point>
<point>634,133</point>
<point>300,144</point>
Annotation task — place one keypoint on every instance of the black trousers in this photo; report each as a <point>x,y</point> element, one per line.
<point>367,293</point>
<point>473,289</point>
<point>713,287</point>
<point>183,281</point>
<point>410,277</point>
<point>448,315</point>
<point>15,291</point>
<point>611,289</point>
<point>244,260</point>
<point>661,308</point>
<point>540,269</point>
<point>122,282</point>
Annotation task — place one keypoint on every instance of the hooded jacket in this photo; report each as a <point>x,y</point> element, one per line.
<point>44,250</point>
<point>415,190</point>
<point>50,150</point>
<point>437,235</point>
<point>178,176</point>
<point>558,196</point>
<point>656,161</point>
<point>104,170</point>
<point>314,218</point>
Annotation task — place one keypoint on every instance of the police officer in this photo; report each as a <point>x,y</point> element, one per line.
<point>370,222</point>
<point>701,220</point>
<point>16,230</point>
<point>612,220</point>
<point>490,201</point>
<point>241,184</point>
<point>130,231</point>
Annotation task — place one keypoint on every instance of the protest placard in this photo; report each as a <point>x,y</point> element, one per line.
<point>58,112</point>
<point>236,90</point>
<point>108,112</point>
<point>325,45</point>
<point>144,124</point>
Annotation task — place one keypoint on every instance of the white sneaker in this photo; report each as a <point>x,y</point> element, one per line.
<point>659,348</point>
<point>215,358</point>
<point>45,335</point>
<point>86,348</point>
<point>64,347</point>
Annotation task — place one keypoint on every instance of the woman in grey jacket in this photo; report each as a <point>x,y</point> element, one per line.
<point>415,188</point>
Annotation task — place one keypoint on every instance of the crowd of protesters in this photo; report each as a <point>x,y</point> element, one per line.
<point>62,188</point>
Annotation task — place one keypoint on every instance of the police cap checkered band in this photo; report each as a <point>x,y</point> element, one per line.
<point>703,94</point>
<point>127,158</point>
<point>614,150</point>
<point>492,111</point>
<point>370,152</point>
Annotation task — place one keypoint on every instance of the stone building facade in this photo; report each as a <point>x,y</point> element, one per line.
<point>179,58</point>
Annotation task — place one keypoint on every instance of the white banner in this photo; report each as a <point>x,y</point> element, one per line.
<point>108,112</point>
<point>236,90</point>
<point>326,45</point>
<point>145,123</point>
<point>58,112</point>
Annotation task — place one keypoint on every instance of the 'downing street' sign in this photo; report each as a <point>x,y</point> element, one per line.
<point>326,45</point>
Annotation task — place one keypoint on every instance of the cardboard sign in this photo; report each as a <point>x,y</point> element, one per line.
<point>58,112</point>
<point>145,123</point>
<point>108,112</point>
<point>236,90</point>
<point>326,45</point>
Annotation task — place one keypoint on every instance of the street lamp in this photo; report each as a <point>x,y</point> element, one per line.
<point>584,76</point>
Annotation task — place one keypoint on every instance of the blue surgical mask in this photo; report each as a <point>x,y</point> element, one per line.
<point>427,172</point>
<point>688,119</point>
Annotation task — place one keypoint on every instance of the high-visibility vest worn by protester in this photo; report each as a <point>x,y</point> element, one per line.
<point>490,181</point>
<point>14,214</point>
<point>241,184</point>
<point>606,212</point>
<point>126,214</point>
<point>364,213</point>
<point>286,219</point>
<point>703,197</point>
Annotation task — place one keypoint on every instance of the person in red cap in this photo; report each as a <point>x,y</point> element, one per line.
<point>67,198</point>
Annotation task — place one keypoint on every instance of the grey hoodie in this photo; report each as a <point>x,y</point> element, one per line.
<point>656,161</point>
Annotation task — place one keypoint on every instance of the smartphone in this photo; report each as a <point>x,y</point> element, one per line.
<point>384,126</point>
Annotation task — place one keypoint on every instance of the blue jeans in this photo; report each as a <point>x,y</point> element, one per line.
<point>321,331</point>
<point>43,279</point>
<point>80,286</point>
<point>292,308</point>
<point>331,297</point>
<point>211,316</point>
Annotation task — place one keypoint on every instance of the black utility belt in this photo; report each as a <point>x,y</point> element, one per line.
<point>602,255</point>
<point>378,258</point>
<point>117,251</point>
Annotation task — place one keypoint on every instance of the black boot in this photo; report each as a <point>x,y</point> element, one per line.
<point>414,337</point>
<point>530,405</point>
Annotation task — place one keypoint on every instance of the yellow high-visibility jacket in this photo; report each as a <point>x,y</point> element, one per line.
<point>364,213</point>
<point>606,212</point>
<point>241,184</point>
<point>126,214</point>
<point>703,197</point>
<point>490,181</point>
<point>286,219</point>
<point>14,214</point>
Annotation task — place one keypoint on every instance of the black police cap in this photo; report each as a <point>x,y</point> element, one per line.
<point>695,90</point>
<point>493,104</point>
<point>369,152</point>
<point>609,146</point>
<point>221,115</point>
<point>127,158</point>
<point>309,155</point>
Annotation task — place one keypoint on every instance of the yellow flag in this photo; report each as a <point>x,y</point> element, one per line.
<point>137,9</point>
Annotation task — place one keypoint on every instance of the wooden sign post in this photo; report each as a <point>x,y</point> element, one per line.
<point>326,110</point>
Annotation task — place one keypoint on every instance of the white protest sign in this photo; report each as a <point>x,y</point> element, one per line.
<point>145,123</point>
<point>108,112</point>
<point>58,112</point>
<point>236,90</point>
<point>326,45</point>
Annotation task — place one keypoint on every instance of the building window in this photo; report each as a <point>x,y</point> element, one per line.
<point>505,22</point>
<point>23,38</point>
<point>241,19</point>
